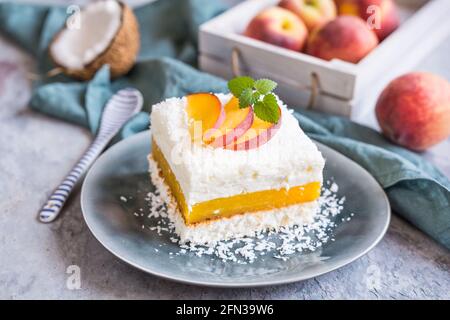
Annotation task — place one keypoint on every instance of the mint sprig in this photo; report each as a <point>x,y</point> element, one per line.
<point>258,95</point>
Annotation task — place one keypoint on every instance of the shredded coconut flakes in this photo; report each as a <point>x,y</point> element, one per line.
<point>280,245</point>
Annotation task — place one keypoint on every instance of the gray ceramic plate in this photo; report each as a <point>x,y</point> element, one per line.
<point>122,170</point>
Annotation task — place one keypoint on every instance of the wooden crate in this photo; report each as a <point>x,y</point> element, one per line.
<point>344,88</point>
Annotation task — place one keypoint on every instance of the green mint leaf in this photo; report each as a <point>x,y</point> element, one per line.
<point>267,109</point>
<point>265,86</point>
<point>246,98</point>
<point>239,84</point>
<point>256,96</point>
<point>258,109</point>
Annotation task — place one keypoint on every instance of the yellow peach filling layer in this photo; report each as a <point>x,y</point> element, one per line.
<point>238,204</point>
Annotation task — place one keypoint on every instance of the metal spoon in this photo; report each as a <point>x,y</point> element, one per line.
<point>119,109</point>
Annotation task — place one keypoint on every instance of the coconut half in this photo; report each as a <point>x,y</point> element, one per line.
<point>107,33</point>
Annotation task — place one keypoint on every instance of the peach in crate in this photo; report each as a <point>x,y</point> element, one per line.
<point>314,13</point>
<point>346,38</point>
<point>338,87</point>
<point>382,15</point>
<point>278,26</point>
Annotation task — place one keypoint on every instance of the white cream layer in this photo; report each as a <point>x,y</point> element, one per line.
<point>289,159</point>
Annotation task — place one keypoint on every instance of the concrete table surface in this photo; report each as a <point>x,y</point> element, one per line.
<point>36,152</point>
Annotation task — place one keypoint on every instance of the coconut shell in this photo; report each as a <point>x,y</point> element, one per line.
<point>120,54</point>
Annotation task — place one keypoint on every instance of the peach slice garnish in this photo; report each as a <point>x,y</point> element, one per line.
<point>258,134</point>
<point>237,122</point>
<point>205,112</point>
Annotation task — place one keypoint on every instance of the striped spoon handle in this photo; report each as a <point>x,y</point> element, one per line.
<point>58,198</point>
<point>119,109</point>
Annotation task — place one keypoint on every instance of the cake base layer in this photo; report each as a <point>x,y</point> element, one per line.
<point>236,226</point>
<point>235,205</point>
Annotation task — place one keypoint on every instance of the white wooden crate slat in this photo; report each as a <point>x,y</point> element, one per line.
<point>220,35</point>
<point>290,94</point>
<point>413,40</point>
<point>343,85</point>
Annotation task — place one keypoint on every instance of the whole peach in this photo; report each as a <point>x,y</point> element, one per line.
<point>381,15</point>
<point>314,13</point>
<point>280,27</point>
<point>347,38</point>
<point>414,110</point>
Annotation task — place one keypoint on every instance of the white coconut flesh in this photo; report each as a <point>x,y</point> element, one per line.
<point>75,48</point>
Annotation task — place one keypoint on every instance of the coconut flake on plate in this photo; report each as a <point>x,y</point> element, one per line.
<point>280,245</point>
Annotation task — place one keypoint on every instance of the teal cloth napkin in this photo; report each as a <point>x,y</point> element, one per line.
<point>166,67</point>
